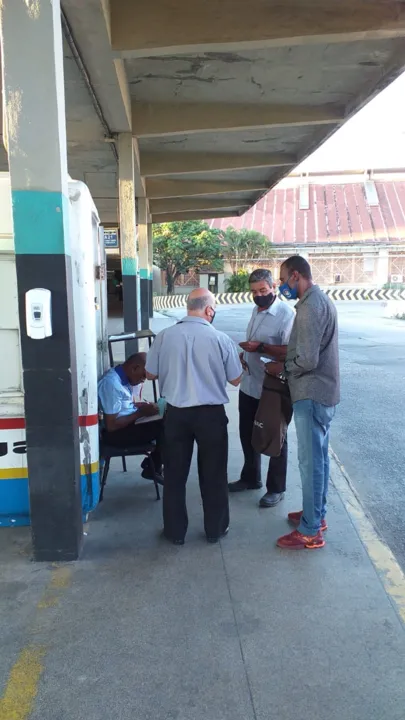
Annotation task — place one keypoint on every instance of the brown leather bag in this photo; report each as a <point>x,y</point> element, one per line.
<point>273,417</point>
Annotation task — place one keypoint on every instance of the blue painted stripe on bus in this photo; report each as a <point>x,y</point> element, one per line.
<point>129,266</point>
<point>14,502</point>
<point>90,495</point>
<point>14,498</point>
<point>40,222</point>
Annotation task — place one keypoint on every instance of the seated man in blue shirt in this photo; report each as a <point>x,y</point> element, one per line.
<point>124,417</point>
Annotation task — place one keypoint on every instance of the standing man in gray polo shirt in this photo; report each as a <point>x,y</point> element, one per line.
<point>268,332</point>
<point>194,362</point>
<point>312,370</point>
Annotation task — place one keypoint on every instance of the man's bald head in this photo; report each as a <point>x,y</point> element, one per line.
<point>201,303</point>
<point>134,368</point>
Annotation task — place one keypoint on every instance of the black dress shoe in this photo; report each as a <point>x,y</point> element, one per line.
<point>173,541</point>
<point>271,500</point>
<point>214,540</point>
<point>148,475</point>
<point>241,485</point>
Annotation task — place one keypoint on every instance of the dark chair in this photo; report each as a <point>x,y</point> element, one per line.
<point>108,451</point>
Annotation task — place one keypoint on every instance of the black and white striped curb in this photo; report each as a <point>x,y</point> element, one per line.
<point>164,302</point>
<point>364,294</point>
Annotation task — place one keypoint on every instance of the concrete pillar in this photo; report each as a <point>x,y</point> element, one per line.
<point>33,87</point>
<point>150,267</point>
<point>381,273</point>
<point>129,255</point>
<point>143,261</point>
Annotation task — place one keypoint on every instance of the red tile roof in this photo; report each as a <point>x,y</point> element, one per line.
<point>338,212</point>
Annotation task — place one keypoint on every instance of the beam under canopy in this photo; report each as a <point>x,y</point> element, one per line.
<point>155,164</point>
<point>157,189</point>
<point>163,119</point>
<point>159,28</point>
<point>185,204</point>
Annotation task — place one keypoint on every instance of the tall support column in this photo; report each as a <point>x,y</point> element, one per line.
<point>129,254</point>
<point>36,138</point>
<point>143,260</point>
<point>150,260</point>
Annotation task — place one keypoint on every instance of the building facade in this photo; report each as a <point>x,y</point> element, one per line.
<point>350,226</point>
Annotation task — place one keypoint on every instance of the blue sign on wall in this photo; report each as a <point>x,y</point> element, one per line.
<point>111,238</point>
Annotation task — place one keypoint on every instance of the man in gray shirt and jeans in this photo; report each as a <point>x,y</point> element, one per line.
<point>312,370</point>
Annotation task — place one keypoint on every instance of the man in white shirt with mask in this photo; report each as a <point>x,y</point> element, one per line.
<point>267,334</point>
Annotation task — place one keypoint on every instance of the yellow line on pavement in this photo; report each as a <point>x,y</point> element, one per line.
<point>22,685</point>
<point>380,554</point>
<point>21,688</point>
<point>60,580</point>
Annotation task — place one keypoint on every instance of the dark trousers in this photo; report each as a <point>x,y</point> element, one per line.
<point>207,425</point>
<point>251,471</point>
<point>139,435</point>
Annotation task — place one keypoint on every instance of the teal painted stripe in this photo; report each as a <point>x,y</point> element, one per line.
<point>40,222</point>
<point>151,276</point>
<point>144,274</point>
<point>129,265</point>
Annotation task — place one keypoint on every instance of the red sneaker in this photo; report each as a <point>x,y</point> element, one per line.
<point>298,541</point>
<point>295,518</point>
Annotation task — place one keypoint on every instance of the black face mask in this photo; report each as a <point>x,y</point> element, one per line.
<point>213,316</point>
<point>264,301</point>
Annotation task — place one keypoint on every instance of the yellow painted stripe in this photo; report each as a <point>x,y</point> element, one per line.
<point>93,467</point>
<point>378,551</point>
<point>11,473</point>
<point>16,473</point>
<point>22,685</point>
<point>60,580</point>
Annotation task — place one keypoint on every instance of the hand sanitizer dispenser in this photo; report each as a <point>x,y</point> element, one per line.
<point>38,313</point>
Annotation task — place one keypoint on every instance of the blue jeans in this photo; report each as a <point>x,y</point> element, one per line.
<point>312,422</point>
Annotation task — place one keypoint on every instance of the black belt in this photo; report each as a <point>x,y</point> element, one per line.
<point>194,407</point>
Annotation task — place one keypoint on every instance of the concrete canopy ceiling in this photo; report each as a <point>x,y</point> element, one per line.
<point>222,97</point>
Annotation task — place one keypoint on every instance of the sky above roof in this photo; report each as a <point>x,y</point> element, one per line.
<point>374,138</point>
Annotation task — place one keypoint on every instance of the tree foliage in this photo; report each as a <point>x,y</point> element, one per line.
<point>240,247</point>
<point>180,246</point>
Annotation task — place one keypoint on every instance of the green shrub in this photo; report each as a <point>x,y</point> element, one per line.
<point>238,282</point>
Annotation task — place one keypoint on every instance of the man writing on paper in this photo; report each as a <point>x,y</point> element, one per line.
<point>129,421</point>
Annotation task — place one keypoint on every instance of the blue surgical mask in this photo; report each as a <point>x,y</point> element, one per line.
<point>289,292</point>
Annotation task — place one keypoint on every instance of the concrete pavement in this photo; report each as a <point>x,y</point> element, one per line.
<point>237,631</point>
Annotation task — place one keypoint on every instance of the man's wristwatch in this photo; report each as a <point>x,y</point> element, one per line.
<point>261,348</point>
